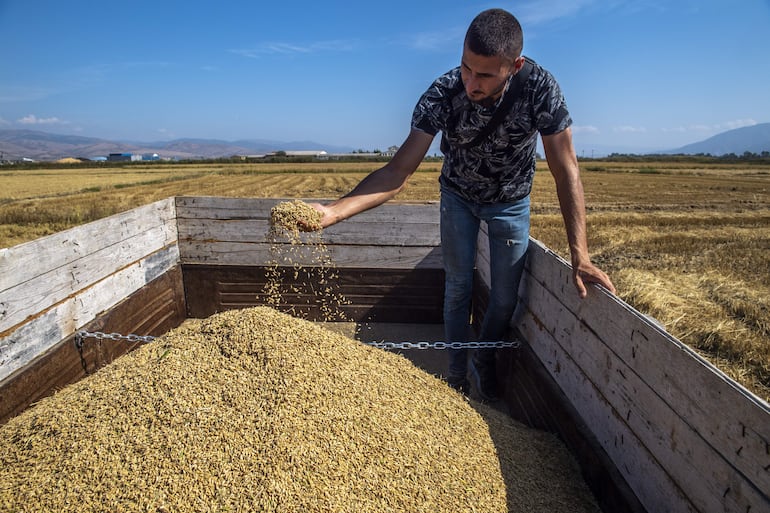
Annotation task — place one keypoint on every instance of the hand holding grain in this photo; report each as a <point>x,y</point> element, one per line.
<point>295,216</point>
<point>327,217</point>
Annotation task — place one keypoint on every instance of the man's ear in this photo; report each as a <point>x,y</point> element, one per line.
<point>518,63</point>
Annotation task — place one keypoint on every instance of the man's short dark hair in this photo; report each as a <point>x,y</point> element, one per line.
<point>495,32</point>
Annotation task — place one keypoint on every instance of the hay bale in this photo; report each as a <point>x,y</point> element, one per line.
<point>254,410</point>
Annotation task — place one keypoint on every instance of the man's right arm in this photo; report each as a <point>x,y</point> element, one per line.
<point>380,185</point>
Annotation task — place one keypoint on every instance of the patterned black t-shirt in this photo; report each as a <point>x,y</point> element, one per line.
<point>502,166</point>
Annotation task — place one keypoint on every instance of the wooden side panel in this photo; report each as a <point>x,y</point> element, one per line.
<point>683,435</point>
<point>368,295</point>
<point>51,287</point>
<point>234,231</point>
<point>212,207</point>
<point>534,398</point>
<point>152,310</point>
<point>386,262</point>
<point>365,257</point>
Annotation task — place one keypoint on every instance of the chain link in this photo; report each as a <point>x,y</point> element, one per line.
<point>444,345</point>
<point>81,335</point>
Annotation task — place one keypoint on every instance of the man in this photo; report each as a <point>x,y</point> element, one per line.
<point>489,165</point>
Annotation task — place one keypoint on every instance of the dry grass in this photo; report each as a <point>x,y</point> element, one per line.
<point>63,202</point>
<point>687,243</point>
<point>691,247</point>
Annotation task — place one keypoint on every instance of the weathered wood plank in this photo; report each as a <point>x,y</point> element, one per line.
<point>53,253</point>
<point>257,231</point>
<point>386,257</point>
<point>534,397</point>
<point>49,287</point>
<point>410,295</point>
<point>646,478</point>
<point>688,383</point>
<point>617,436</point>
<point>209,207</point>
<point>234,231</point>
<point>152,310</point>
<point>40,273</point>
<point>58,321</point>
<point>668,396</point>
<point>677,447</point>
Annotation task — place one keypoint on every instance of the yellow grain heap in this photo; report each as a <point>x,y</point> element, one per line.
<point>256,411</point>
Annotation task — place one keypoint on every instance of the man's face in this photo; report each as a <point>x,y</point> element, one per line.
<point>484,77</point>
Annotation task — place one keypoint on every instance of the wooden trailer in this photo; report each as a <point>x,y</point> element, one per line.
<point>655,427</point>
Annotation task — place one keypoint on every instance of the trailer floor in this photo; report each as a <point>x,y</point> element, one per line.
<point>430,360</point>
<point>433,361</point>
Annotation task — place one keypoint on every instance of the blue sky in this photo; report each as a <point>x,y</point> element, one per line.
<point>638,75</point>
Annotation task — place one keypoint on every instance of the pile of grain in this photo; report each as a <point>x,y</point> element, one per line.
<point>254,410</point>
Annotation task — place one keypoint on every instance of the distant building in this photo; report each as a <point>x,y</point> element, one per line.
<point>150,156</point>
<point>119,157</point>
<point>355,155</point>
<point>390,151</point>
<point>306,153</point>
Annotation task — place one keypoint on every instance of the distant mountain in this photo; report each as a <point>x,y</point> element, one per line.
<point>265,145</point>
<point>18,144</point>
<point>754,139</point>
<point>209,148</point>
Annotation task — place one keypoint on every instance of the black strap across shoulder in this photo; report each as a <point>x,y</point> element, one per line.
<point>513,92</point>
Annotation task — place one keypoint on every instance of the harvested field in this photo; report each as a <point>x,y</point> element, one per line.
<point>685,241</point>
<point>253,410</point>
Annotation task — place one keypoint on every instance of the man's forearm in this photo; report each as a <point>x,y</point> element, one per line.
<point>374,190</point>
<point>380,185</point>
<point>572,203</point>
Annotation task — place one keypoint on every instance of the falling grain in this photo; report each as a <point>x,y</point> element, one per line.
<point>301,277</point>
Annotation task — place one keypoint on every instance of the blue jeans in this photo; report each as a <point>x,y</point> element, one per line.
<point>508,226</point>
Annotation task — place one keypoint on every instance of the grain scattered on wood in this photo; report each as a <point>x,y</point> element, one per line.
<point>254,410</point>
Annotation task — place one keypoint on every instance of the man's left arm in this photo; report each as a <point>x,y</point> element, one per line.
<point>562,161</point>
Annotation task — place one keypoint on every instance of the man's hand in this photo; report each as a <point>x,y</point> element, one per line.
<point>328,218</point>
<point>589,273</point>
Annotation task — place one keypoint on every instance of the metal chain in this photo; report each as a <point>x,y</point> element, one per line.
<point>443,345</point>
<point>81,335</point>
